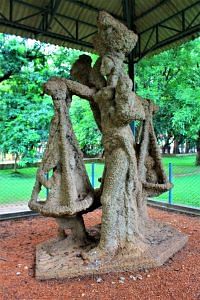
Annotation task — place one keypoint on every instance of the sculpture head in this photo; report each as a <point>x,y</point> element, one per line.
<point>81,69</point>
<point>113,36</point>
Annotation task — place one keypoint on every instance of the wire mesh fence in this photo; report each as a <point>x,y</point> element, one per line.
<point>185,176</point>
<point>15,188</point>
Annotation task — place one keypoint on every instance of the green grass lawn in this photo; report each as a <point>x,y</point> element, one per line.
<point>15,188</point>
<point>181,164</point>
<point>186,180</point>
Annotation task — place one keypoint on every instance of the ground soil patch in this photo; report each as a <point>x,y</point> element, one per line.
<point>177,279</point>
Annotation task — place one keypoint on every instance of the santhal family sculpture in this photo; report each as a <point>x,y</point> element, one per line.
<point>127,238</point>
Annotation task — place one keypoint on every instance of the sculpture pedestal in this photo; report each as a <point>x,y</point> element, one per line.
<point>60,259</point>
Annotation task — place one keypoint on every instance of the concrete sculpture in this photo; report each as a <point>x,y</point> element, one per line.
<point>128,239</point>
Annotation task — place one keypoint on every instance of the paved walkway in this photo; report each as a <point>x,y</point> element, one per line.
<point>13,208</point>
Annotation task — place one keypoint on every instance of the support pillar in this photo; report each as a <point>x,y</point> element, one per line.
<point>129,16</point>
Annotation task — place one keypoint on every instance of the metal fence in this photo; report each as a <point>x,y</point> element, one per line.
<point>186,186</point>
<point>15,188</point>
<point>185,179</point>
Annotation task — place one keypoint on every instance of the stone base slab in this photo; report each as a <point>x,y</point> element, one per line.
<point>60,259</point>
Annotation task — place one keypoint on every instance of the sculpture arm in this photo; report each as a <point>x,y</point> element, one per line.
<point>81,90</point>
<point>58,87</point>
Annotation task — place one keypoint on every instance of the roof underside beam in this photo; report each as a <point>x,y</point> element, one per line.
<point>41,10</point>
<point>129,16</point>
<point>175,27</point>
<point>90,7</point>
<point>49,15</point>
<point>36,31</point>
<point>151,39</point>
<point>151,9</point>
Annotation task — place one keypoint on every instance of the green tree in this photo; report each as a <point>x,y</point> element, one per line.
<point>85,127</point>
<point>26,112</point>
<point>172,80</point>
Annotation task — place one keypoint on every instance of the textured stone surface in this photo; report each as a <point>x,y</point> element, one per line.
<point>62,258</point>
<point>128,239</point>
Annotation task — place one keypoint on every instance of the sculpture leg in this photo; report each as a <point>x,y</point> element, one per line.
<point>76,224</point>
<point>115,178</point>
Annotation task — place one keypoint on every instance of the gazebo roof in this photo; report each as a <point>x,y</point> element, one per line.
<point>72,23</point>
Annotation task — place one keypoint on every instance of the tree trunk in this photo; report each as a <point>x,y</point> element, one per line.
<point>187,147</point>
<point>176,147</point>
<point>198,150</point>
<point>168,149</point>
<point>167,146</point>
<point>15,162</point>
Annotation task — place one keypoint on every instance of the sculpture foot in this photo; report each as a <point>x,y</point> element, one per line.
<point>98,255</point>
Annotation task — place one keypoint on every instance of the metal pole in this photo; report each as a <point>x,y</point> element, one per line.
<point>131,67</point>
<point>93,178</point>
<point>170,180</point>
<point>129,16</point>
<point>133,127</point>
<point>47,190</point>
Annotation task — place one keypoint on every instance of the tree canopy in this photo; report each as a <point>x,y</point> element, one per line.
<point>170,78</point>
<point>25,111</point>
